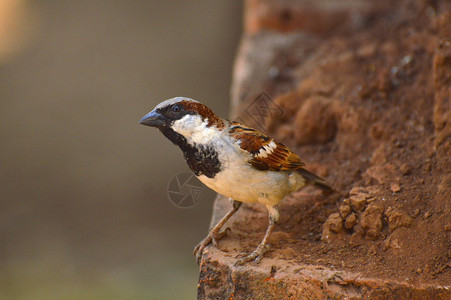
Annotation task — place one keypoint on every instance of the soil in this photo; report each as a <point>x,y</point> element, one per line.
<point>369,110</point>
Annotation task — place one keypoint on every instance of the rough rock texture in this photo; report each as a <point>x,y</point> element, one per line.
<point>362,91</point>
<point>289,271</point>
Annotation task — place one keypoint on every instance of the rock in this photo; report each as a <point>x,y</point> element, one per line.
<point>395,188</point>
<point>371,220</point>
<point>347,201</point>
<point>315,121</point>
<point>220,279</point>
<point>344,210</point>
<point>350,221</point>
<point>397,219</point>
<point>403,112</point>
<point>358,190</point>
<point>358,202</point>
<point>334,223</point>
<point>249,77</point>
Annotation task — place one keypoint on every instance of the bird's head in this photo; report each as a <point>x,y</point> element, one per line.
<point>185,116</point>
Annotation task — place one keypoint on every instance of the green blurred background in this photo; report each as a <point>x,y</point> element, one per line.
<point>84,212</point>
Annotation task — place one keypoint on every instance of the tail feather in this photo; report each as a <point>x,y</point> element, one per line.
<point>315,180</point>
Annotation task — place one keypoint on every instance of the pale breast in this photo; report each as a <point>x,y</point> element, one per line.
<point>241,182</point>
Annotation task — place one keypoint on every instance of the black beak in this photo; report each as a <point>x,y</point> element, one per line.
<point>153,119</point>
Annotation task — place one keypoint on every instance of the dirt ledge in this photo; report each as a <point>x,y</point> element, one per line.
<point>291,278</point>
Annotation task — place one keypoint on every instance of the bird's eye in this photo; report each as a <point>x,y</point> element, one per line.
<point>176,108</point>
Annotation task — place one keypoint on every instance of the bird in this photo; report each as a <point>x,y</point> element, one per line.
<point>235,160</point>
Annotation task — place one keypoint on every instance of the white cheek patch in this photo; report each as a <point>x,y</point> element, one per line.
<point>185,125</point>
<point>194,129</point>
<point>267,150</point>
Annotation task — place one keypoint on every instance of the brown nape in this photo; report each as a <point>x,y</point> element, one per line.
<point>204,112</point>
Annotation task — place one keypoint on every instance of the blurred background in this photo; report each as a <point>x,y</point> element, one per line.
<point>84,212</point>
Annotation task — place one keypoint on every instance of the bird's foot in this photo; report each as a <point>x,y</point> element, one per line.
<point>214,236</point>
<point>256,256</point>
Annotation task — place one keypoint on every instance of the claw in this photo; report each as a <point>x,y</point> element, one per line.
<point>256,256</point>
<point>214,237</point>
<point>217,236</point>
<point>199,249</point>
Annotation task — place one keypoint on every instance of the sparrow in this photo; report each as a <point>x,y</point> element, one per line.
<point>234,160</point>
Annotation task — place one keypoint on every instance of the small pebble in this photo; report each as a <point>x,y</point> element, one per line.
<point>345,210</point>
<point>350,221</point>
<point>335,223</point>
<point>395,188</point>
<point>358,202</point>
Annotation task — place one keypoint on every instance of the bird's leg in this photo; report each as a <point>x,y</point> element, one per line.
<point>216,233</point>
<point>257,255</point>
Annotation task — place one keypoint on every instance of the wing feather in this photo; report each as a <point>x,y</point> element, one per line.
<point>265,153</point>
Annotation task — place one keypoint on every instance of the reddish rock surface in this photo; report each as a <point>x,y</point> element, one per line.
<point>361,90</point>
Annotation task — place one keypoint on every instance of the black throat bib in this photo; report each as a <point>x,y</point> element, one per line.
<point>201,159</point>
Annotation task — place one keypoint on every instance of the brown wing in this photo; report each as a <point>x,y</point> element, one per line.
<point>266,153</point>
